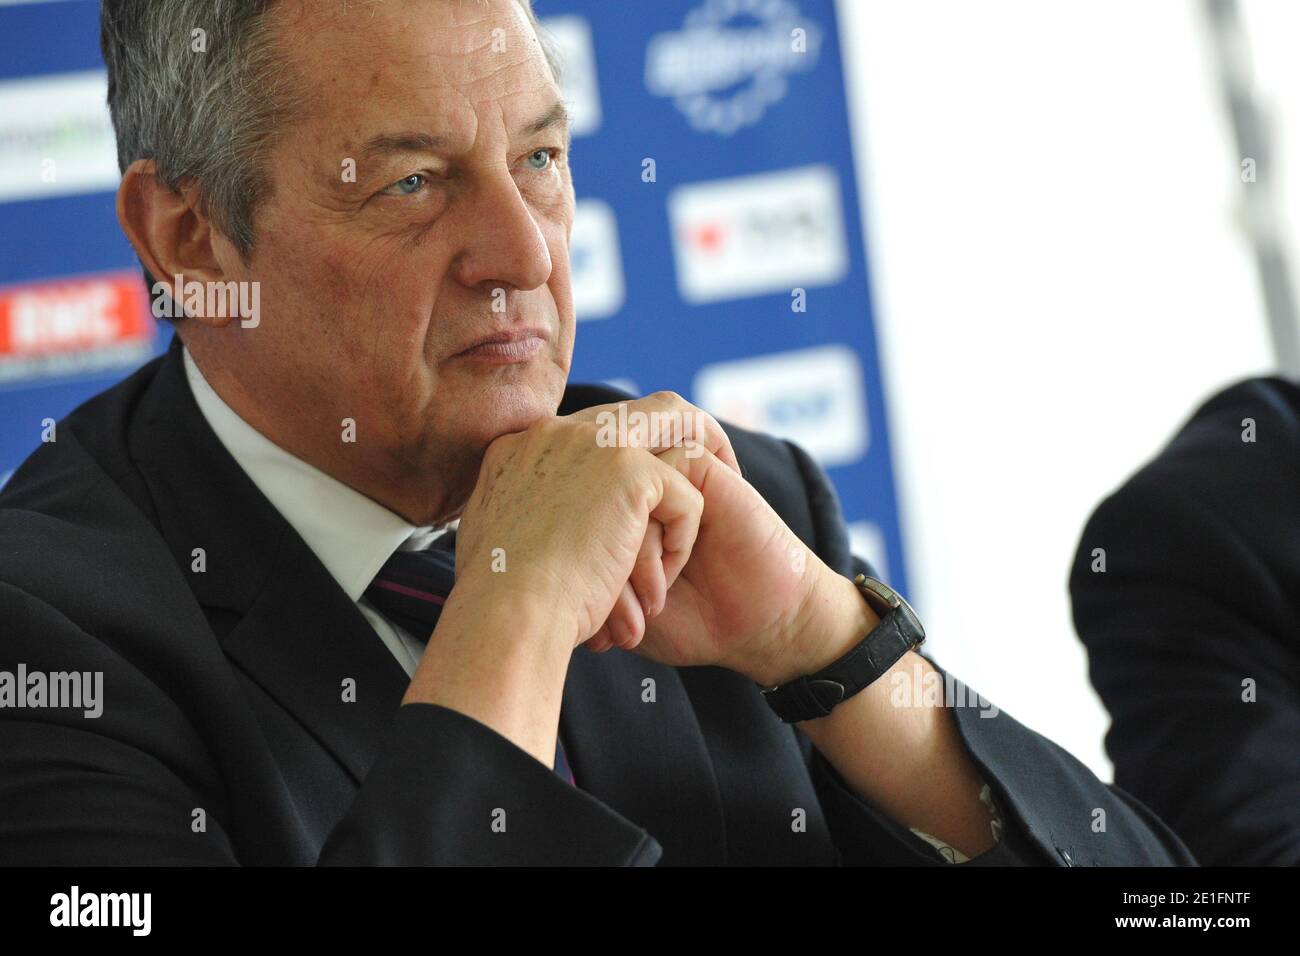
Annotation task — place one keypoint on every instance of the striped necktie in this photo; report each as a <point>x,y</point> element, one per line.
<point>410,591</point>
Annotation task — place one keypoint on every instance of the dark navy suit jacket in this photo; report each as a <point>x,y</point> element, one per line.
<point>223,694</point>
<point>1198,612</point>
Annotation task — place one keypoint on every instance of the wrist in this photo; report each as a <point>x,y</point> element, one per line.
<point>497,657</point>
<point>832,619</point>
<point>499,606</point>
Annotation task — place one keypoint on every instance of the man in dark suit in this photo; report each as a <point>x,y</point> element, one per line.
<point>253,541</point>
<point>1186,593</point>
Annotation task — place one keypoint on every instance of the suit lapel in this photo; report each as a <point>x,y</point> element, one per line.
<point>297,635</point>
<point>306,644</point>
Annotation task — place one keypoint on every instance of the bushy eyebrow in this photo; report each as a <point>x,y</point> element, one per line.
<point>420,142</point>
<point>557,115</point>
<point>412,142</point>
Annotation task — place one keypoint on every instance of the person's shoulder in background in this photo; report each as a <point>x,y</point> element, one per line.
<point>1186,592</point>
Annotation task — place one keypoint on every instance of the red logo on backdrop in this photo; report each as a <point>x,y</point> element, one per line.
<point>66,326</point>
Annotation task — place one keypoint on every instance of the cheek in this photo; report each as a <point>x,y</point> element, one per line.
<point>312,281</point>
<point>353,315</point>
<point>329,281</point>
<point>342,275</point>
<point>361,291</point>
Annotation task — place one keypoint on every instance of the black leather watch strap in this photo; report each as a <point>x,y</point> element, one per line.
<point>816,695</point>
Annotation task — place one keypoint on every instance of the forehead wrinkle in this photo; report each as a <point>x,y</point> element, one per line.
<point>481,11</point>
<point>450,115</point>
<point>306,22</point>
<point>407,43</point>
<point>514,79</point>
<point>461,36</point>
<point>428,70</point>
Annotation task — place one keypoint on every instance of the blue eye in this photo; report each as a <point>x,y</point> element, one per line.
<point>545,157</point>
<point>407,186</point>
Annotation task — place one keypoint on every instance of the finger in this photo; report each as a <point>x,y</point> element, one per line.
<point>679,511</point>
<point>599,642</point>
<point>626,621</point>
<point>648,579</point>
<point>681,423</point>
<point>705,473</point>
<point>700,467</point>
<point>661,421</point>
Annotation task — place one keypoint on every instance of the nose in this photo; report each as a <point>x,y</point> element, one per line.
<point>503,244</point>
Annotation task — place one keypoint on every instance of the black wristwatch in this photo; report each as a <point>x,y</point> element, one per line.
<point>816,695</point>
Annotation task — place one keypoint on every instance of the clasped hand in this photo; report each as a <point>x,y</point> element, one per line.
<point>632,523</point>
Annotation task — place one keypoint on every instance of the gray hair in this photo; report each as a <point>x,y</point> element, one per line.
<point>207,118</point>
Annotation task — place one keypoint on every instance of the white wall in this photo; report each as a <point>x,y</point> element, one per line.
<point>1050,192</point>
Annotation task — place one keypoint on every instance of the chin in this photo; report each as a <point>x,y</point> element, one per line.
<point>513,406</point>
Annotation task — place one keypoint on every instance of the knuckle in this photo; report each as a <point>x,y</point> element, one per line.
<point>626,458</point>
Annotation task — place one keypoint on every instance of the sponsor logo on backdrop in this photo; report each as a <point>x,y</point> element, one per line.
<point>814,397</point>
<point>596,261</point>
<point>579,84</point>
<point>731,61</point>
<point>56,136</point>
<point>74,326</point>
<point>756,235</point>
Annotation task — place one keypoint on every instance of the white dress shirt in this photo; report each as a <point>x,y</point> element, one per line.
<point>351,534</point>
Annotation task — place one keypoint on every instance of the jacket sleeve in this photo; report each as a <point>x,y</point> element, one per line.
<point>1184,590</point>
<point>402,815</point>
<point>129,785</point>
<point>1054,810</point>
<point>136,785</point>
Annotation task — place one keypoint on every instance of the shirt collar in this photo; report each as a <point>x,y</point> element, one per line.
<point>351,534</point>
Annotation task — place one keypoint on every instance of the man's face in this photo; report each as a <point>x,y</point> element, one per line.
<point>456,229</point>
